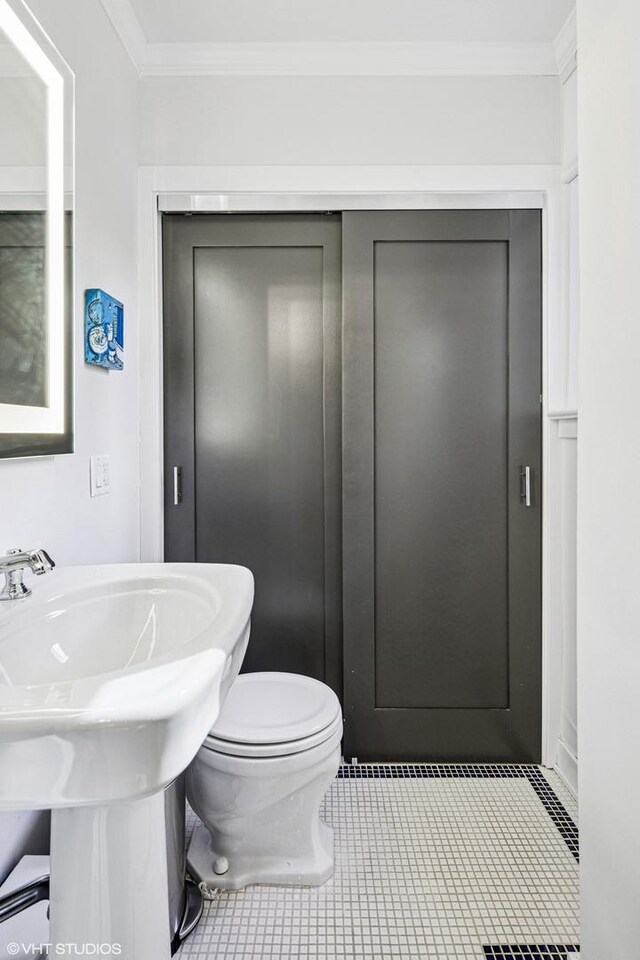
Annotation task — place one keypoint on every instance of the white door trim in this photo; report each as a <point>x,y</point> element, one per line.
<point>321,188</point>
<point>329,201</point>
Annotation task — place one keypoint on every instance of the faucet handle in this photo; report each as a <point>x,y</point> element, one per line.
<point>14,551</point>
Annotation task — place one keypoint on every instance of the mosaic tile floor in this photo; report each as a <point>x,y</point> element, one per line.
<point>452,862</point>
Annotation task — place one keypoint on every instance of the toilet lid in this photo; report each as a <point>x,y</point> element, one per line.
<point>263,708</point>
<point>257,751</point>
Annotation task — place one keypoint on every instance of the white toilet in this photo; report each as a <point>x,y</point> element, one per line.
<point>258,781</point>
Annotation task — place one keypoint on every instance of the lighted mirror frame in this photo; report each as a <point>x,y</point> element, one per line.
<point>45,430</point>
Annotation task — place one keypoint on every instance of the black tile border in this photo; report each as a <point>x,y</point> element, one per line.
<point>490,771</point>
<point>566,827</point>
<point>525,951</point>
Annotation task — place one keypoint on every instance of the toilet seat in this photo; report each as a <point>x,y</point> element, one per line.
<point>265,750</point>
<point>274,715</point>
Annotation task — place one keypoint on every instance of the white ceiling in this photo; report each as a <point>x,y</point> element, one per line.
<point>264,21</point>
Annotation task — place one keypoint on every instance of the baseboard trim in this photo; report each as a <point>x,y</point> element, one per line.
<point>567,767</point>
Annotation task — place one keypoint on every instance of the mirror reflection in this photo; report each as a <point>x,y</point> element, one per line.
<point>23,326</point>
<point>36,111</point>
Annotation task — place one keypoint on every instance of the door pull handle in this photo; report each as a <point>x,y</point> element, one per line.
<point>177,486</point>
<point>525,486</point>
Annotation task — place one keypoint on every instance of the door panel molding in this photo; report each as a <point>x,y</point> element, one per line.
<point>371,732</point>
<point>184,240</point>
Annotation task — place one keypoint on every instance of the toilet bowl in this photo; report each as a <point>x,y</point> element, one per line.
<point>258,781</point>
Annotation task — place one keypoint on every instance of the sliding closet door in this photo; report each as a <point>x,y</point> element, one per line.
<point>252,421</point>
<point>441,470</point>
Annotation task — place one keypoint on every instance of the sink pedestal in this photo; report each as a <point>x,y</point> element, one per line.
<point>109,880</point>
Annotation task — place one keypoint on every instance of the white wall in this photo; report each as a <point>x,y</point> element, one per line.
<point>350,120</point>
<point>608,472</point>
<point>22,111</point>
<point>47,501</point>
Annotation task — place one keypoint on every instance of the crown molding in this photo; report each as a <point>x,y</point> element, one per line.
<point>566,48</point>
<point>126,24</point>
<point>349,59</point>
<point>358,59</point>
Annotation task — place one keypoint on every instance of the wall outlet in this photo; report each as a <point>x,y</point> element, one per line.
<point>100,475</point>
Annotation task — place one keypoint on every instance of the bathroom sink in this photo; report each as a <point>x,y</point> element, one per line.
<point>111,677</point>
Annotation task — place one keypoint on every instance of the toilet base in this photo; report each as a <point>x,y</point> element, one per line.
<point>300,871</point>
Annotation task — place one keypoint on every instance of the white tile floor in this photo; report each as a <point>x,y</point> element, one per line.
<point>425,868</point>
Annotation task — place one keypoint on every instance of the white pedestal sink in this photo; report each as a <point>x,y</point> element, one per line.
<point>110,679</point>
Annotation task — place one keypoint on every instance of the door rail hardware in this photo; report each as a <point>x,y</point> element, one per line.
<point>177,486</point>
<point>525,486</point>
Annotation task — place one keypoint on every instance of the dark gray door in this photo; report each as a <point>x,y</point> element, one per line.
<point>252,421</point>
<point>442,329</point>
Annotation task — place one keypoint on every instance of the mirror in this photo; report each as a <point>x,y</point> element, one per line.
<point>36,200</point>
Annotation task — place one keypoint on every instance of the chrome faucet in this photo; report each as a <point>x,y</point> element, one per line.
<point>13,567</point>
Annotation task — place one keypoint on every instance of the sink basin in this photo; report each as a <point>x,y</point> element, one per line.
<point>111,677</point>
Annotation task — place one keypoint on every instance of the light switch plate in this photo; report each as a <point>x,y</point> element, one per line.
<point>100,474</point>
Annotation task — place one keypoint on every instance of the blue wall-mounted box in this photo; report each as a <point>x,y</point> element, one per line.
<point>103,330</point>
